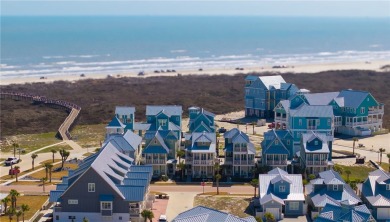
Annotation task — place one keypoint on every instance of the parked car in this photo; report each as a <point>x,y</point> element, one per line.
<point>11,160</point>
<point>163,218</point>
<point>222,130</point>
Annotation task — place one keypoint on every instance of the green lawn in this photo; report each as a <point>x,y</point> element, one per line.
<point>89,135</point>
<point>384,165</point>
<point>29,142</point>
<point>237,206</point>
<point>57,147</point>
<point>357,172</point>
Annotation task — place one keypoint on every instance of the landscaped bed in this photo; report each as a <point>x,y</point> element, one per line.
<point>34,202</point>
<point>238,206</point>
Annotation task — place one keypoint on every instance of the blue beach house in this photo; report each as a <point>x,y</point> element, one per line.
<point>333,212</point>
<point>201,120</point>
<point>281,194</point>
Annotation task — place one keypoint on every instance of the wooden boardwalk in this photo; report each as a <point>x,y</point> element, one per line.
<point>72,108</point>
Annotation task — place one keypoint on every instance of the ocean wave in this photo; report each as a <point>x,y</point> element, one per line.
<point>178,51</point>
<point>5,66</point>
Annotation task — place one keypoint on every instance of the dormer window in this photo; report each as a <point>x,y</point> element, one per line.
<point>335,187</point>
<point>362,110</point>
<point>162,122</point>
<point>387,186</point>
<point>276,142</point>
<point>288,142</point>
<point>282,189</point>
<point>316,143</point>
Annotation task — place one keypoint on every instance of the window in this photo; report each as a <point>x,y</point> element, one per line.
<point>300,122</point>
<point>294,206</point>
<point>387,186</point>
<point>282,189</point>
<point>362,110</point>
<point>105,205</point>
<point>91,187</point>
<point>72,201</point>
<point>162,122</point>
<point>316,143</point>
<point>120,218</point>
<point>57,217</point>
<point>276,142</point>
<point>335,188</point>
<point>318,122</point>
<point>288,142</point>
<point>329,121</point>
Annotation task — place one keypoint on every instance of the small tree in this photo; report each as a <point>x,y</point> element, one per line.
<point>312,176</point>
<point>33,156</point>
<point>18,214</point>
<point>5,201</point>
<point>258,219</point>
<point>64,155</point>
<point>269,217</point>
<point>53,151</point>
<point>25,208</point>
<point>16,170</point>
<point>14,194</point>
<point>348,172</point>
<point>217,178</point>
<point>254,183</point>
<point>50,167</point>
<point>43,180</point>
<point>15,145</point>
<point>85,219</point>
<point>182,168</point>
<point>147,214</point>
<point>355,139</point>
<point>381,150</point>
<point>338,169</point>
<point>180,154</point>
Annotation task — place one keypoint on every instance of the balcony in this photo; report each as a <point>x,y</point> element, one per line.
<point>134,212</point>
<point>377,110</point>
<point>316,163</point>
<point>204,162</point>
<point>280,119</point>
<point>311,127</point>
<point>277,162</point>
<point>189,160</point>
<point>242,150</point>
<point>243,162</point>
<point>155,161</point>
<point>228,160</point>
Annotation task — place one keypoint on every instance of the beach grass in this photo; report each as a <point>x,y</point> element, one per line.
<point>357,172</point>
<point>57,148</point>
<point>89,135</point>
<point>29,142</point>
<point>238,206</point>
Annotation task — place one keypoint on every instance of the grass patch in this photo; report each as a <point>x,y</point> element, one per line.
<point>87,154</point>
<point>238,206</point>
<point>26,182</point>
<point>29,142</point>
<point>55,175</point>
<point>57,147</point>
<point>385,166</point>
<point>37,166</point>
<point>34,202</point>
<point>89,135</point>
<point>357,172</point>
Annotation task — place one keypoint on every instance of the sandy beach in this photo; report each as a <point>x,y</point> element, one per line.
<point>299,68</point>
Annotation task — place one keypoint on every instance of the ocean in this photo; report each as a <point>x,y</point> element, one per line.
<point>46,46</point>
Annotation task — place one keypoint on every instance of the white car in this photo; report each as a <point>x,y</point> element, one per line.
<point>11,160</point>
<point>163,218</point>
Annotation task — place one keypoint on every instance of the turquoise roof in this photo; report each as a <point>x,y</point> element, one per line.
<point>332,212</point>
<point>115,122</point>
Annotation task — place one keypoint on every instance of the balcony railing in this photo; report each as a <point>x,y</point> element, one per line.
<point>276,162</point>
<point>243,162</point>
<point>134,211</point>
<point>280,119</point>
<point>155,161</point>
<point>311,127</point>
<point>379,110</point>
<point>237,149</point>
<point>203,162</point>
<point>199,175</point>
<point>316,163</point>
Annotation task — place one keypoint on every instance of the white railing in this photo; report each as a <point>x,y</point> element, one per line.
<point>316,163</point>
<point>276,162</point>
<point>155,161</point>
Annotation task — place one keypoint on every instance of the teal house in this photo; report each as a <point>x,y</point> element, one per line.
<point>281,194</point>
<point>263,93</point>
<point>277,149</point>
<point>201,120</point>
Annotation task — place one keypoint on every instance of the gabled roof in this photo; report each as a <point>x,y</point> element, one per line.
<point>270,197</point>
<point>333,212</point>
<point>330,176</point>
<point>203,137</point>
<point>160,147</point>
<point>270,136</point>
<point>320,98</point>
<point>141,126</point>
<point>369,187</point>
<point>205,214</point>
<point>309,137</point>
<point>115,123</point>
<point>168,109</point>
<point>126,142</point>
<point>295,181</point>
<point>272,81</point>
<point>305,110</point>
<point>379,201</point>
<point>124,110</point>
<point>353,98</point>
<point>112,166</point>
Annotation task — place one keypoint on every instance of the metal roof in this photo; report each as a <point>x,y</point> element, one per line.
<point>379,201</point>
<point>312,111</point>
<point>115,123</point>
<point>205,214</point>
<point>272,81</point>
<point>270,197</point>
<point>126,142</point>
<point>320,98</point>
<point>124,110</point>
<point>310,136</point>
<point>334,212</point>
<point>168,109</point>
<point>141,126</point>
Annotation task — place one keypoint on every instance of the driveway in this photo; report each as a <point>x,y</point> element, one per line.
<point>179,202</point>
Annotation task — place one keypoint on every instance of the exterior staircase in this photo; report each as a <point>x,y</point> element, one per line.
<point>66,125</point>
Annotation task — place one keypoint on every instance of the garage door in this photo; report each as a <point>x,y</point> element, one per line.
<point>274,211</point>
<point>383,213</point>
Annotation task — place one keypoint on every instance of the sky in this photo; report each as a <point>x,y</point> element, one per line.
<point>330,8</point>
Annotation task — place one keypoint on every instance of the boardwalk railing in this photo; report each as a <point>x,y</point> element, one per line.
<point>74,109</point>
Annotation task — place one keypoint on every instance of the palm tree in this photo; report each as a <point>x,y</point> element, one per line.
<point>5,201</point>
<point>381,150</point>
<point>50,167</point>
<point>254,183</point>
<point>16,170</point>
<point>388,158</point>
<point>182,168</point>
<point>64,155</point>
<point>54,152</point>
<point>147,214</point>
<point>180,154</point>
<point>43,179</point>
<point>14,194</point>
<point>25,208</point>
<point>46,165</point>
<point>348,172</point>
<point>33,156</point>
<point>11,213</point>
<point>217,178</point>
<point>15,145</point>
<point>18,214</point>
<point>355,139</point>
